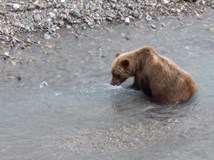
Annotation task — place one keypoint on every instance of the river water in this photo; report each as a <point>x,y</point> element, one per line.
<point>65,108</point>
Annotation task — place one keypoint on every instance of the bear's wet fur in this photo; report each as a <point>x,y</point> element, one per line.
<point>157,76</point>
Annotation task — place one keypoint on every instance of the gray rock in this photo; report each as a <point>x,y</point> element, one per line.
<point>148,18</point>
<point>43,84</point>
<point>77,13</point>
<point>115,1</point>
<point>151,3</point>
<point>153,26</point>
<point>136,14</point>
<point>68,26</point>
<point>47,36</point>
<point>165,1</point>
<point>173,10</point>
<point>127,20</point>
<point>109,14</point>
<point>37,18</point>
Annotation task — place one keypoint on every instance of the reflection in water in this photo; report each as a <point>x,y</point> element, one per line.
<point>134,103</point>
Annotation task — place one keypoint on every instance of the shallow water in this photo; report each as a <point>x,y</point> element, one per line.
<point>79,115</point>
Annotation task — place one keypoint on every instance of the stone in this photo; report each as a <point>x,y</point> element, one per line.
<point>165,1</point>
<point>16,6</point>
<point>110,14</point>
<point>47,36</point>
<point>153,26</point>
<point>127,20</point>
<point>148,18</point>
<point>135,14</point>
<point>114,1</point>
<point>151,3</point>
<point>43,84</point>
<point>37,18</point>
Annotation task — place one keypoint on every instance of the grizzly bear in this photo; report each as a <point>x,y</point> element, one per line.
<point>157,76</point>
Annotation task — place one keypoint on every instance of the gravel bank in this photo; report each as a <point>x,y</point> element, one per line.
<point>50,15</point>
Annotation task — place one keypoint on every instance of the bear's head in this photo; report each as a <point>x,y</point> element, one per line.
<point>122,69</point>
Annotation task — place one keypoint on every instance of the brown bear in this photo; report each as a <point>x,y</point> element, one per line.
<point>157,76</point>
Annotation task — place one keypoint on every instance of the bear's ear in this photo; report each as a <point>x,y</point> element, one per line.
<point>125,63</point>
<point>117,54</point>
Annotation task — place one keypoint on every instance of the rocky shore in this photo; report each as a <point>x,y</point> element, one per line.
<point>48,16</point>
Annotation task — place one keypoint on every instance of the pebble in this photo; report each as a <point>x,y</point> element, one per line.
<point>127,20</point>
<point>165,1</point>
<point>173,10</point>
<point>16,6</point>
<point>37,18</point>
<point>148,18</point>
<point>7,55</point>
<point>151,3</point>
<point>136,14</point>
<point>43,84</point>
<point>110,14</point>
<point>68,26</point>
<point>153,26</point>
<point>47,36</point>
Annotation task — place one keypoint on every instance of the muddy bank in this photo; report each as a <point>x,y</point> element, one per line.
<point>56,101</point>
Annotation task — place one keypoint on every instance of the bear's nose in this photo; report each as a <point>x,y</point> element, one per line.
<point>117,83</point>
<point>113,82</point>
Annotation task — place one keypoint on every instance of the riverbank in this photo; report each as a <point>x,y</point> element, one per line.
<point>48,16</point>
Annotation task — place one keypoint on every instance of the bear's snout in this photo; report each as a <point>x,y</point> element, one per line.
<point>115,81</point>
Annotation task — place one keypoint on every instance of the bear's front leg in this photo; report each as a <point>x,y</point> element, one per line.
<point>135,85</point>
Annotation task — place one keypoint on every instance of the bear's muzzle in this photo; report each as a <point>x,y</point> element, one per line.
<point>115,81</point>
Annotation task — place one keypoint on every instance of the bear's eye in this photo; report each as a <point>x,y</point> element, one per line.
<point>116,76</point>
